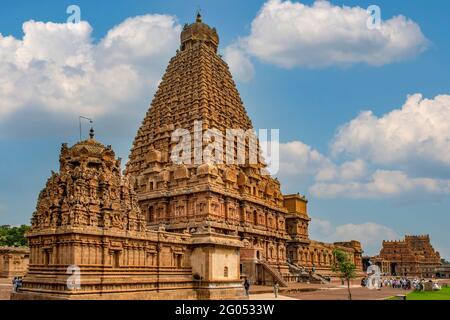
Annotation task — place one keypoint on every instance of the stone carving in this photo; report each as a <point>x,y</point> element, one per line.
<point>92,209</point>
<point>89,191</point>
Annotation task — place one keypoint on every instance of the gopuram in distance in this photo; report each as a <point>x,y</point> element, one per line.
<point>412,257</point>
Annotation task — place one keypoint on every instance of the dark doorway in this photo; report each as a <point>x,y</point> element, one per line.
<point>393,269</point>
<point>116,259</point>
<point>46,257</point>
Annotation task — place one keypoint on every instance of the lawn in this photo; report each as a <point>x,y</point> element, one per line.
<point>443,294</point>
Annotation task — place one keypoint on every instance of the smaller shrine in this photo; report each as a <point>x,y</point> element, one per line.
<point>89,240</point>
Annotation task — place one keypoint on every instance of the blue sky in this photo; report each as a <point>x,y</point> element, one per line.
<point>392,180</point>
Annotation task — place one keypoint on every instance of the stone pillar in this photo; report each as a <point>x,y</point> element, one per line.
<point>215,259</point>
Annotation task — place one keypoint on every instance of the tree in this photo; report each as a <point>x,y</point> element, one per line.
<point>344,267</point>
<point>13,236</point>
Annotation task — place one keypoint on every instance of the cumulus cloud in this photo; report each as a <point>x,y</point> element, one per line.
<point>401,155</point>
<point>370,234</point>
<point>349,170</point>
<point>240,64</point>
<point>290,34</point>
<point>59,69</point>
<point>382,184</point>
<point>417,133</point>
<point>300,159</point>
<point>301,166</point>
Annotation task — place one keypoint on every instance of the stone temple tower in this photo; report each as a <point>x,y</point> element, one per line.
<point>197,94</point>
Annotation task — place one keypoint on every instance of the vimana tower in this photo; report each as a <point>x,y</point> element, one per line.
<point>167,230</point>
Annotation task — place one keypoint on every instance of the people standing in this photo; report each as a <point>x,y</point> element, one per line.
<point>247,287</point>
<point>276,287</point>
<point>19,283</point>
<point>15,283</point>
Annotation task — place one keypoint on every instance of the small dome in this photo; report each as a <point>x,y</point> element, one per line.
<point>199,32</point>
<point>89,150</point>
<point>92,146</point>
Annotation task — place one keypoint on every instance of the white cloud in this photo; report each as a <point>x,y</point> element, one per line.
<point>240,65</point>
<point>299,159</point>
<point>349,170</point>
<point>58,69</point>
<point>418,132</point>
<point>369,234</point>
<point>291,34</point>
<point>301,166</point>
<point>382,184</point>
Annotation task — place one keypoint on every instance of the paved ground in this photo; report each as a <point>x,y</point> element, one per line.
<point>358,293</point>
<point>301,291</point>
<point>5,288</point>
<point>269,296</point>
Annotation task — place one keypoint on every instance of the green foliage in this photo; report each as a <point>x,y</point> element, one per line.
<point>343,265</point>
<point>13,236</point>
<point>443,294</point>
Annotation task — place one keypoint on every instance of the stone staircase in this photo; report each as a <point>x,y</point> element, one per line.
<point>318,277</point>
<point>274,273</point>
<point>296,269</point>
<point>305,276</point>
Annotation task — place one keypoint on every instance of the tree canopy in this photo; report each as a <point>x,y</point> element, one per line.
<point>13,236</point>
<point>344,267</point>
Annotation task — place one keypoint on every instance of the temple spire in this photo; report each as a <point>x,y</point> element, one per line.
<point>199,16</point>
<point>199,32</point>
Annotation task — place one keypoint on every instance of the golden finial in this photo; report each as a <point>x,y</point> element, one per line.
<point>199,16</point>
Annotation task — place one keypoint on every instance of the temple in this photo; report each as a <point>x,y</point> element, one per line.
<point>412,257</point>
<point>13,261</point>
<point>198,87</point>
<point>166,230</point>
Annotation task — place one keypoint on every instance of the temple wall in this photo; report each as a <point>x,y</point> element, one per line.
<point>124,265</point>
<point>13,262</point>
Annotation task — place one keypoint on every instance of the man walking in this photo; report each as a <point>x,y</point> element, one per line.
<point>276,287</point>
<point>15,282</point>
<point>247,287</point>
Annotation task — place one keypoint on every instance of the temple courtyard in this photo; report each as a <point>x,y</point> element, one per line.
<point>333,291</point>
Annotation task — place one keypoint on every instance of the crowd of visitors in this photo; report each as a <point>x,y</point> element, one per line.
<point>402,283</point>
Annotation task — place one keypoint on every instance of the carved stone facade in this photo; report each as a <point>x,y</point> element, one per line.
<point>88,222</point>
<point>166,230</point>
<point>89,193</point>
<point>231,199</point>
<point>412,257</point>
<point>13,262</point>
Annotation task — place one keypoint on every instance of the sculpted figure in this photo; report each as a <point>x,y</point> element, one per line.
<point>65,218</point>
<point>106,220</point>
<point>92,219</point>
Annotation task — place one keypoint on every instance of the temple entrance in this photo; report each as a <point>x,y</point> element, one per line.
<point>116,259</point>
<point>46,257</point>
<point>393,268</point>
